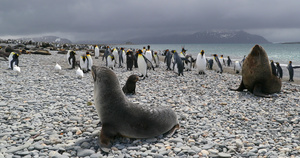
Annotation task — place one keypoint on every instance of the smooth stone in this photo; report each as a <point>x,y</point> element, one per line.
<point>85,152</point>
<point>221,154</point>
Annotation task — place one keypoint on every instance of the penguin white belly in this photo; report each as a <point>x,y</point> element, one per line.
<point>10,58</point>
<point>97,52</point>
<point>148,55</point>
<point>83,64</point>
<point>115,53</point>
<point>237,66</point>
<point>176,68</point>
<point>142,65</point>
<point>110,62</point>
<point>90,62</point>
<point>124,57</point>
<point>201,63</point>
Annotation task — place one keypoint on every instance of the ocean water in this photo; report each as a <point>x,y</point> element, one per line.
<point>282,53</point>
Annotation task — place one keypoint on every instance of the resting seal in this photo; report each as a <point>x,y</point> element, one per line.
<point>120,117</point>
<point>129,87</point>
<point>257,74</point>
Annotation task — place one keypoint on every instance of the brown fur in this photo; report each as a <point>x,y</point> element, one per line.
<point>257,74</point>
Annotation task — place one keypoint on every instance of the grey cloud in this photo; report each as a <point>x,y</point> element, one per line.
<point>119,19</point>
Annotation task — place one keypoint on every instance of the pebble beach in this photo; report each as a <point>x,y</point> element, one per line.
<point>44,113</point>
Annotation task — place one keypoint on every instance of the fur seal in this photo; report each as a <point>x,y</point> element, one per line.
<point>129,87</point>
<point>120,117</point>
<point>257,74</point>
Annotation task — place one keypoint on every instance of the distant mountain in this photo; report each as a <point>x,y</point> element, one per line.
<point>49,39</point>
<point>206,37</point>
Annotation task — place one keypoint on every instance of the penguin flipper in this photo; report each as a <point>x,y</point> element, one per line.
<point>240,88</point>
<point>148,62</point>
<point>295,67</point>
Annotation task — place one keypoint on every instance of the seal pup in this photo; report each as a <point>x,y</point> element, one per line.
<point>257,74</point>
<point>121,117</point>
<point>129,87</point>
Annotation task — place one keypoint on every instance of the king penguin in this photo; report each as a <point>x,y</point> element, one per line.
<point>111,61</point>
<point>201,62</point>
<point>273,68</point>
<point>156,59</point>
<point>142,65</point>
<point>13,60</point>
<point>222,61</point>
<point>71,59</point>
<point>291,71</point>
<point>219,66</point>
<point>178,64</point>
<point>116,55</point>
<point>237,67</point>
<point>89,61</point>
<point>83,63</point>
<point>148,54</point>
<point>168,59</point>
<point>279,70</point>
<point>97,53</point>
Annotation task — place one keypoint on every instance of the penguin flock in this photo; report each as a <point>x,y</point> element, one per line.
<point>146,60</point>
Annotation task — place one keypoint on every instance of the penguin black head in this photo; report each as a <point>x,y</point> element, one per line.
<point>271,61</point>
<point>173,51</point>
<point>148,47</point>
<point>277,63</point>
<point>140,51</point>
<point>202,52</point>
<point>290,62</point>
<point>87,53</point>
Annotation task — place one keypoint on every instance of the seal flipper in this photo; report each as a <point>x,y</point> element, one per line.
<point>241,87</point>
<point>106,135</point>
<point>257,91</point>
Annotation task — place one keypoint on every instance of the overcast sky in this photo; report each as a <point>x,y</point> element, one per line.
<point>77,20</point>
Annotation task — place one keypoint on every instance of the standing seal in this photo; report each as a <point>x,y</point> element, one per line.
<point>129,87</point>
<point>120,117</point>
<point>257,74</point>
